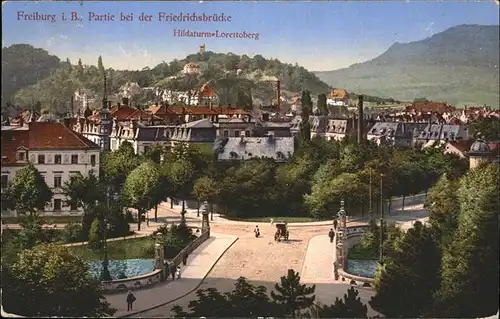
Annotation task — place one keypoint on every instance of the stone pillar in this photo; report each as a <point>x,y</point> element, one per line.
<point>205,224</point>
<point>159,255</point>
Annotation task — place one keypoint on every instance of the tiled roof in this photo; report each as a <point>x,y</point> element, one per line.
<point>206,91</point>
<point>140,114</point>
<point>433,107</point>
<point>121,112</point>
<point>11,141</point>
<point>43,136</point>
<point>56,136</point>
<point>461,145</point>
<point>338,94</point>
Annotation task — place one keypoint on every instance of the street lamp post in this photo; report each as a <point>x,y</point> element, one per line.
<point>370,212</point>
<point>105,275</point>
<point>381,257</point>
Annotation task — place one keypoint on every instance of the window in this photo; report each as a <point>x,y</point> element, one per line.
<point>57,181</point>
<point>5,181</point>
<point>74,159</point>
<point>247,133</point>
<point>21,156</point>
<point>92,160</point>
<point>41,159</point>
<point>236,133</point>
<point>73,206</point>
<point>57,205</point>
<point>57,159</point>
<point>226,134</point>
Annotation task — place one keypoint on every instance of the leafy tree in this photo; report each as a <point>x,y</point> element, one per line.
<point>291,295</point>
<point>306,110</point>
<point>31,233</point>
<point>116,166</point>
<point>469,270</point>
<point>405,284</point>
<point>48,280</point>
<point>141,188</point>
<point>443,206</point>
<point>488,127</point>
<point>28,191</point>
<point>322,105</point>
<point>95,235</point>
<point>246,300</point>
<point>100,66</point>
<point>155,152</point>
<point>205,189</point>
<point>349,307</point>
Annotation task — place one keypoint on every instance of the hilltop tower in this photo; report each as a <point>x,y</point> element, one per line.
<point>202,49</point>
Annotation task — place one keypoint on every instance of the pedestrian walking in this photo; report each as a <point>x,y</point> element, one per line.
<point>172,271</point>
<point>335,223</point>
<point>257,231</point>
<point>331,234</point>
<point>178,272</point>
<point>130,300</point>
<point>184,258</point>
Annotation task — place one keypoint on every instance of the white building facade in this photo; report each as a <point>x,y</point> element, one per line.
<point>57,153</point>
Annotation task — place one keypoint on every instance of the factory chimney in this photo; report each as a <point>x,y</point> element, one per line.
<point>360,119</point>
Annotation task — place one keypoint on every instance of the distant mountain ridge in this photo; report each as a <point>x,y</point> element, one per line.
<point>458,65</point>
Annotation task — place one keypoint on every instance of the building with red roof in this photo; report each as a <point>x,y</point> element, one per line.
<point>57,153</point>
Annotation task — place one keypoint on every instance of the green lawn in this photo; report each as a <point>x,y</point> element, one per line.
<point>48,219</point>
<point>136,248</point>
<point>268,219</point>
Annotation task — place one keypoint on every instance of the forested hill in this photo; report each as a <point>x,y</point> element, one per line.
<point>232,76</point>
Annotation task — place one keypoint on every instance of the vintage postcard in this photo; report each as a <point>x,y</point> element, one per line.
<point>255,159</point>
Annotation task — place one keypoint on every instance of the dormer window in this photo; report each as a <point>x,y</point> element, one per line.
<point>21,156</point>
<point>233,155</point>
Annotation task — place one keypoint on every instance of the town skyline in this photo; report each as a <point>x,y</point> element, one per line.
<point>304,33</point>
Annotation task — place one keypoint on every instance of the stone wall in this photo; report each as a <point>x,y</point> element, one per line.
<point>177,260</point>
<point>132,283</point>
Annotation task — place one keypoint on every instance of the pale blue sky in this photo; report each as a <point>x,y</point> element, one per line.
<point>316,35</point>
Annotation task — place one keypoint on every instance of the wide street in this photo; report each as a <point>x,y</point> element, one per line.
<point>263,261</point>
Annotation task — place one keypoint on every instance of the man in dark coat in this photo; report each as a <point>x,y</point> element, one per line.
<point>335,223</point>
<point>173,269</point>
<point>184,258</point>
<point>130,300</point>
<point>331,234</point>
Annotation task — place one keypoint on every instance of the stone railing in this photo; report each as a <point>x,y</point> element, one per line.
<point>177,260</point>
<point>132,283</point>
<point>120,285</point>
<point>352,233</point>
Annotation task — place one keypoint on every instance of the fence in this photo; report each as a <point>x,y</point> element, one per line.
<point>190,248</point>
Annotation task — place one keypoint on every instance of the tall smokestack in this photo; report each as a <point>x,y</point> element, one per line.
<point>360,119</point>
<point>279,93</point>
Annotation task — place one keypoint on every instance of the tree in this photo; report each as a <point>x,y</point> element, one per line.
<point>291,295</point>
<point>48,280</point>
<point>443,206</point>
<point>322,105</point>
<point>31,233</point>
<point>28,191</point>
<point>141,188</point>
<point>205,189</point>
<point>469,270</point>
<point>245,300</point>
<point>95,235</point>
<point>181,174</point>
<point>306,110</point>
<point>405,284</point>
<point>350,307</point>
<point>100,66</point>
<point>488,128</point>
<point>116,166</point>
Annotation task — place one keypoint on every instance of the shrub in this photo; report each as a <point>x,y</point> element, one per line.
<point>95,241</point>
<point>72,233</point>
<point>129,217</point>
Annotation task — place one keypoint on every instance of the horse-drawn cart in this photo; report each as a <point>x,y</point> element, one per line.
<point>281,231</point>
